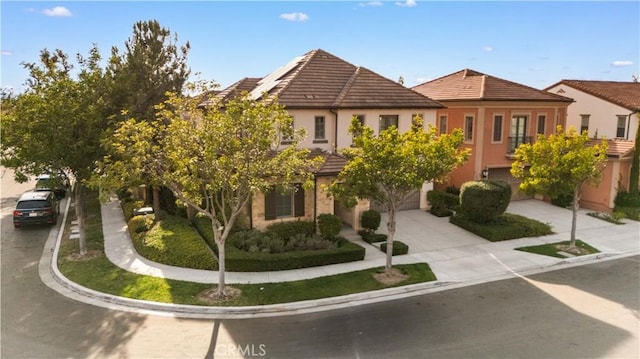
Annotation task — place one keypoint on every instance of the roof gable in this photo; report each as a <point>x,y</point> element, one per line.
<point>624,94</point>
<point>468,84</point>
<point>319,79</point>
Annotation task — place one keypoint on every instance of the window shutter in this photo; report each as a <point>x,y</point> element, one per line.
<point>270,204</point>
<point>298,202</point>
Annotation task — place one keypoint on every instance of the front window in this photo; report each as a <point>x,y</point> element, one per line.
<point>542,119</point>
<point>360,119</point>
<point>497,128</point>
<point>284,204</point>
<point>584,123</point>
<point>621,129</point>
<point>319,128</point>
<point>518,132</point>
<point>387,121</point>
<point>286,136</point>
<point>443,124</point>
<point>468,128</point>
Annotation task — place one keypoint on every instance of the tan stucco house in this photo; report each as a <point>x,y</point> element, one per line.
<point>605,109</point>
<point>322,93</point>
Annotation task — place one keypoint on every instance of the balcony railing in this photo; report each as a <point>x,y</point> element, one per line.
<point>515,142</point>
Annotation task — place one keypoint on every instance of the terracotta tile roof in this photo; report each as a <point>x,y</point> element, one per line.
<point>468,84</point>
<point>625,94</point>
<point>617,148</point>
<point>319,79</point>
<point>333,162</point>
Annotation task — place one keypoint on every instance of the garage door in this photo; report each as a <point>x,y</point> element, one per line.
<point>412,202</point>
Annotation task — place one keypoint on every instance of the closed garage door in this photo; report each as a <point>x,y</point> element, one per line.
<point>412,202</point>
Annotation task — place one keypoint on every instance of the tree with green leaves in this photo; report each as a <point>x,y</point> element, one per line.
<point>558,164</point>
<point>387,168</point>
<point>57,123</point>
<point>214,159</point>
<point>634,175</point>
<point>151,65</point>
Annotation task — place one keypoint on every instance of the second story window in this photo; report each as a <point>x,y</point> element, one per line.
<point>497,128</point>
<point>621,129</point>
<point>584,123</point>
<point>319,132</point>
<point>387,121</point>
<point>287,138</point>
<point>443,124</point>
<point>518,132</point>
<point>468,128</point>
<point>542,119</point>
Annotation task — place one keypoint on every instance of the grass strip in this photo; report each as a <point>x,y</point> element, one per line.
<point>551,249</point>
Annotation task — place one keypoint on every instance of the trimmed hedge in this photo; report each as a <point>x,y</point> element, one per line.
<point>399,248</point>
<point>173,241</point>
<point>484,201</point>
<point>129,206</point>
<point>370,220</point>
<point>504,227</point>
<point>241,261</point>
<point>139,224</point>
<point>371,237</point>
<point>441,201</point>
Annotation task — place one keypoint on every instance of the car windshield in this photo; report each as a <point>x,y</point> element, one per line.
<point>33,204</point>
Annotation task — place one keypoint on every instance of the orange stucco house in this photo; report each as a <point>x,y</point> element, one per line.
<point>496,116</point>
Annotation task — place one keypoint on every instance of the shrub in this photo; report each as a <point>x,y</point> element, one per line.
<point>505,226</point>
<point>329,225</point>
<point>453,190</point>
<point>371,237</point>
<point>286,230</point>
<point>627,199</point>
<point>129,206</point>
<point>483,201</point>
<point>139,224</point>
<point>399,248</point>
<point>443,202</point>
<point>370,220</point>
<point>563,200</point>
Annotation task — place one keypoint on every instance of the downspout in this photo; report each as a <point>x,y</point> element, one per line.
<point>629,125</point>
<point>335,130</point>
<point>315,198</point>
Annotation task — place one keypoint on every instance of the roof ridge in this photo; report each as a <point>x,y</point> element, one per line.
<point>560,97</point>
<point>347,86</point>
<point>582,86</point>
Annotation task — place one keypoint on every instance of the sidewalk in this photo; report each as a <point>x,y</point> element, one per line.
<point>457,257</point>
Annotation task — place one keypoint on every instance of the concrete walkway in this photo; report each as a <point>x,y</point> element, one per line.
<point>456,256</point>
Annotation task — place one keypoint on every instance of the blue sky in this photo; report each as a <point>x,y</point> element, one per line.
<point>532,43</point>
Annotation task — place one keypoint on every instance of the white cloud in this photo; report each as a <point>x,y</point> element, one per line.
<point>487,48</point>
<point>6,53</point>
<point>620,63</point>
<point>407,3</point>
<point>371,3</point>
<point>295,16</point>
<point>58,11</point>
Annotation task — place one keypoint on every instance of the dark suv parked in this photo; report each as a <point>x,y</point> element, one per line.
<point>36,208</point>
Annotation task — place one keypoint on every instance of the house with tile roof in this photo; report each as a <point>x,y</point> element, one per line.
<point>323,93</point>
<point>496,116</point>
<point>605,109</point>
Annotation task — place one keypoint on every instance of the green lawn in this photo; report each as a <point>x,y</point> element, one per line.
<point>99,274</point>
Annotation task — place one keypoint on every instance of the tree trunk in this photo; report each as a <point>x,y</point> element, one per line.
<point>191,213</point>
<point>574,217</point>
<point>221,269</point>
<point>391,231</point>
<point>80,215</point>
<point>156,201</point>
